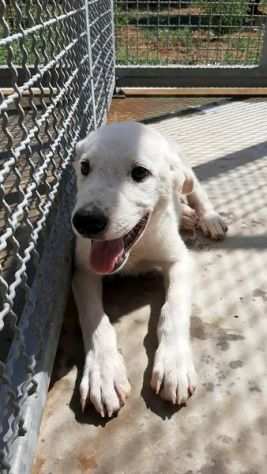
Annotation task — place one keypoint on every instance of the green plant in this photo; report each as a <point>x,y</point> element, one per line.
<point>121,17</point>
<point>225,16</point>
<point>164,35</point>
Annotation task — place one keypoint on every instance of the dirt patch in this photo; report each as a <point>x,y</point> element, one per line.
<point>87,463</point>
<point>140,44</point>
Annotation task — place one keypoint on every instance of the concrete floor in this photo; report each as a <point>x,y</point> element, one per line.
<point>223,429</point>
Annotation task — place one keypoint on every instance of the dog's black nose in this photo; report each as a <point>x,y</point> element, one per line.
<point>89,223</point>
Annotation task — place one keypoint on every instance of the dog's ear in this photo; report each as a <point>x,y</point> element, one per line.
<point>84,145</point>
<point>80,148</point>
<point>183,178</point>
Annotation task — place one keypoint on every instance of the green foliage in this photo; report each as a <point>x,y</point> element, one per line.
<point>225,16</point>
<point>121,17</point>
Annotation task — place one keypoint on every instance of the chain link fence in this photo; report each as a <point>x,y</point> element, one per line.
<point>56,83</point>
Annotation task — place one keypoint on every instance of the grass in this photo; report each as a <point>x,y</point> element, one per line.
<point>243,47</point>
<point>133,58</point>
<point>2,56</point>
<point>168,35</point>
<point>164,46</point>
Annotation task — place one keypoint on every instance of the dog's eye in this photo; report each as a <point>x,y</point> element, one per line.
<point>139,173</point>
<point>85,168</point>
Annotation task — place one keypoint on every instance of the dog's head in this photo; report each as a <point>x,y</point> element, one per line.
<point>125,171</point>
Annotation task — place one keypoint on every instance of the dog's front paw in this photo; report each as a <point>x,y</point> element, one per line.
<point>174,376</point>
<point>104,382</point>
<point>213,225</point>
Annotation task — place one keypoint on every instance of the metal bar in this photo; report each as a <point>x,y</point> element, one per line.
<point>263,59</point>
<point>193,91</point>
<point>190,77</point>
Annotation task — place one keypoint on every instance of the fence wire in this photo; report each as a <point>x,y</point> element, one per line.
<point>190,32</point>
<point>56,82</point>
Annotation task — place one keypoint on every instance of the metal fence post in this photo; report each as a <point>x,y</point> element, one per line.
<point>263,59</point>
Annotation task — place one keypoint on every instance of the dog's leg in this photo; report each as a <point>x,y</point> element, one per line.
<point>173,375</point>
<point>210,222</point>
<point>104,382</point>
<point>189,218</point>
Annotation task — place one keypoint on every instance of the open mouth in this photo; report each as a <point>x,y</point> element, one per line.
<point>107,256</point>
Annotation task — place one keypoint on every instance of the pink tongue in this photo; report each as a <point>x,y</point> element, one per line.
<point>104,254</point>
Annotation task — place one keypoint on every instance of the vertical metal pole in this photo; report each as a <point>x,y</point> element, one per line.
<point>112,7</point>
<point>88,31</point>
<point>263,61</point>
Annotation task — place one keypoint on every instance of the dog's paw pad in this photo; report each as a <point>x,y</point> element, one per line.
<point>213,225</point>
<point>104,383</point>
<point>174,376</point>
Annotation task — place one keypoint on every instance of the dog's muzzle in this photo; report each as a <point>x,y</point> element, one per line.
<point>108,256</point>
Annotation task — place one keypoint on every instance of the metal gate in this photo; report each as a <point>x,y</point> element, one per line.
<point>191,43</point>
<point>56,83</point>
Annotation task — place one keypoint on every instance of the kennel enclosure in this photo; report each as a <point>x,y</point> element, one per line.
<point>60,62</point>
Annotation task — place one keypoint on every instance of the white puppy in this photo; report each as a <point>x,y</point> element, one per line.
<point>130,183</point>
